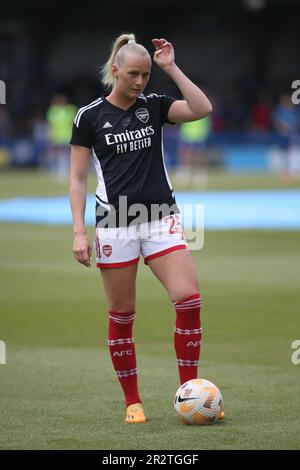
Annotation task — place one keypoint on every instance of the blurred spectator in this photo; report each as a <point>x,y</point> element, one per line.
<point>261,113</point>
<point>286,118</point>
<point>217,116</point>
<point>40,136</point>
<point>5,133</point>
<point>192,162</point>
<point>286,121</point>
<point>60,116</point>
<point>5,123</point>
<point>235,112</point>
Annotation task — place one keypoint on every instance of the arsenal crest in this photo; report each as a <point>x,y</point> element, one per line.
<point>107,249</point>
<point>142,114</point>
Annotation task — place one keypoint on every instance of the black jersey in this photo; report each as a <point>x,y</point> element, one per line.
<point>128,154</point>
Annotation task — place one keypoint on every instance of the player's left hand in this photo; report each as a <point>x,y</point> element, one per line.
<point>164,55</point>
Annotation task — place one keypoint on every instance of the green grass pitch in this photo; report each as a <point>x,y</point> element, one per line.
<point>58,389</point>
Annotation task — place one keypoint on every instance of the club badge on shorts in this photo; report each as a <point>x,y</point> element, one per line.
<point>107,250</point>
<point>142,114</point>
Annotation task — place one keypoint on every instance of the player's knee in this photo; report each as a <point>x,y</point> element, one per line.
<point>182,294</point>
<point>122,307</point>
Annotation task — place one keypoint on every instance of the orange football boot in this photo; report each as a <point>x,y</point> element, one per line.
<point>135,414</point>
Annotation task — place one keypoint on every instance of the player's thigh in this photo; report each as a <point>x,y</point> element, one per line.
<point>176,271</point>
<point>119,286</point>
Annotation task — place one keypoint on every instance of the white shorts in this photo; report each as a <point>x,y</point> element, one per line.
<point>122,246</point>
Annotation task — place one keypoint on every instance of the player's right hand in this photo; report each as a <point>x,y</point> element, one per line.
<point>82,249</point>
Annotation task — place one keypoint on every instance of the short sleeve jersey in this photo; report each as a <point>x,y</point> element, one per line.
<point>128,155</point>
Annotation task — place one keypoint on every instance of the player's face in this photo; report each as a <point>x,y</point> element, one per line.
<point>133,75</point>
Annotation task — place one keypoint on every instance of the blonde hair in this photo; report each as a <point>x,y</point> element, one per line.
<point>121,46</point>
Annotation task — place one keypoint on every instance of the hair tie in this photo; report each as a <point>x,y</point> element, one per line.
<point>131,41</point>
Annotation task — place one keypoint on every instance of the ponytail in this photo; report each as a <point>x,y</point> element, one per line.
<point>117,57</point>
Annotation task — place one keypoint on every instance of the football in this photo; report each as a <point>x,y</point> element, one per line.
<point>198,401</point>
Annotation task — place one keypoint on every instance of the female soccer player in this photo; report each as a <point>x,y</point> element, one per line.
<point>123,131</point>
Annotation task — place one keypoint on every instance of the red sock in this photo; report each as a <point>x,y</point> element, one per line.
<point>122,351</point>
<point>187,337</point>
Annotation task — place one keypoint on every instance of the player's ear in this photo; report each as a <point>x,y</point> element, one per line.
<point>114,70</point>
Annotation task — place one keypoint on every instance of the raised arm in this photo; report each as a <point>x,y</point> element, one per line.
<point>195,104</point>
<point>80,158</point>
